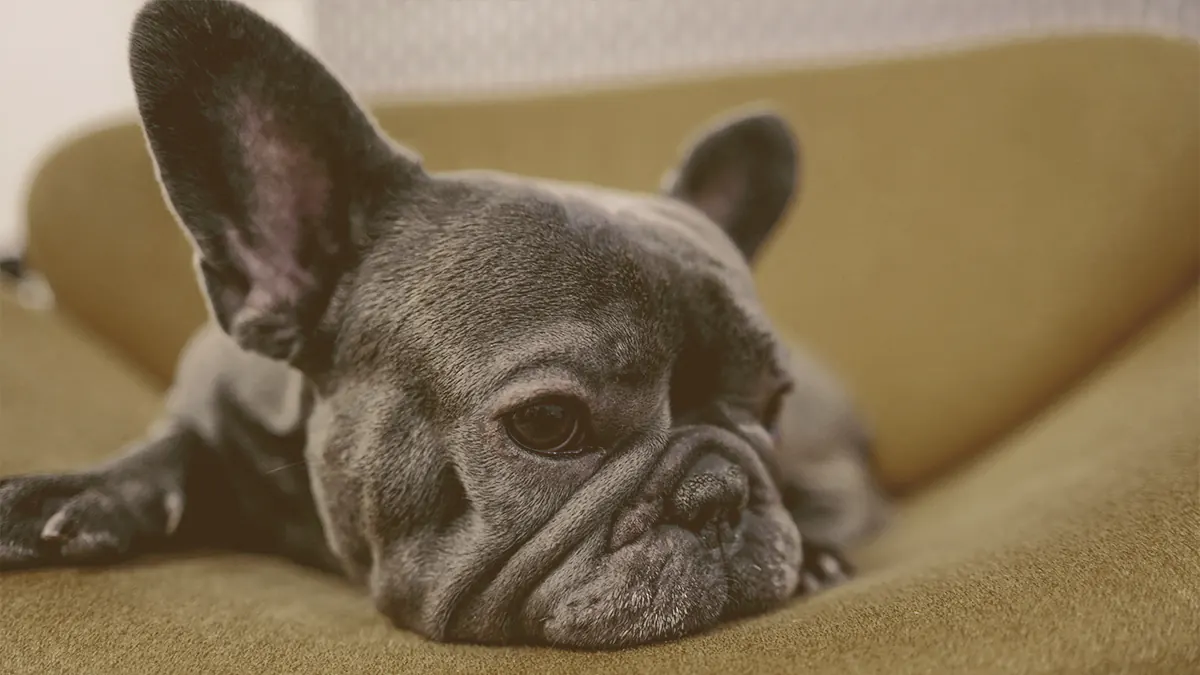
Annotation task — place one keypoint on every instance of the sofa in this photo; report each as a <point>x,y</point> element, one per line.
<point>997,247</point>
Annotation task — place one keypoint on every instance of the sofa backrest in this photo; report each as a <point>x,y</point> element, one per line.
<point>974,232</point>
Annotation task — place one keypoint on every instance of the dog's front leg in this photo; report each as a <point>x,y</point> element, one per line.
<point>142,502</point>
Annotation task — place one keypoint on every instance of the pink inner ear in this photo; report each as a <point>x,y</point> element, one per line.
<point>288,204</point>
<point>720,194</point>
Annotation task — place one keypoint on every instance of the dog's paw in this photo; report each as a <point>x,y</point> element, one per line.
<point>822,568</point>
<point>81,518</point>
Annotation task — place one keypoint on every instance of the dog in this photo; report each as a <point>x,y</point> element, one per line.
<point>515,411</point>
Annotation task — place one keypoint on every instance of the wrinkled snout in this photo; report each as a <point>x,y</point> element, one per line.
<point>704,536</point>
<point>698,486</point>
<point>698,532</point>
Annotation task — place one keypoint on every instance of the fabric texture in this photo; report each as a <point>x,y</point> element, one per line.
<point>998,249</point>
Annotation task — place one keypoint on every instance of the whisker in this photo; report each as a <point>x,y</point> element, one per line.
<point>284,467</point>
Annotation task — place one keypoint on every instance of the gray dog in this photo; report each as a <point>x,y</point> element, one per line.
<point>516,411</point>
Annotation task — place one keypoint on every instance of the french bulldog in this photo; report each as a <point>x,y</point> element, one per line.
<point>514,410</point>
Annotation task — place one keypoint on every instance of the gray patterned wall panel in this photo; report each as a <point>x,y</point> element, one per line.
<point>436,46</point>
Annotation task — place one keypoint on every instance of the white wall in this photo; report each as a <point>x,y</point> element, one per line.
<point>63,64</point>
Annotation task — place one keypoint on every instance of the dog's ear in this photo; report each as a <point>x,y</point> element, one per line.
<point>741,172</point>
<point>267,161</point>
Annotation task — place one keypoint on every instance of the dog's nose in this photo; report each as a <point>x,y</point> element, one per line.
<point>714,490</point>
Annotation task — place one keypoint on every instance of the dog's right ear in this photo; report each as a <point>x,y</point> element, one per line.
<point>267,161</point>
<point>742,172</point>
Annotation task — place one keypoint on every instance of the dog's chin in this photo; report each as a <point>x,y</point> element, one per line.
<point>666,584</point>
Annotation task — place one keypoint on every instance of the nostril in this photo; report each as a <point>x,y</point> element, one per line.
<point>728,516</point>
<point>733,517</point>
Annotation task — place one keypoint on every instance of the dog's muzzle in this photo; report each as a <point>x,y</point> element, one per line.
<point>701,479</point>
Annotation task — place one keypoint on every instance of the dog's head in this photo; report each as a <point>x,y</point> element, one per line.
<point>545,412</point>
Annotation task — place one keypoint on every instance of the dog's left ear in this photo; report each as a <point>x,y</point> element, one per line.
<point>741,173</point>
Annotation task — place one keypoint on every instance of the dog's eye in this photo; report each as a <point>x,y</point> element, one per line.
<point>551,426</point>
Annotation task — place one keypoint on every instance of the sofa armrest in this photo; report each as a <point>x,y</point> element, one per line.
<point>66,399</point>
